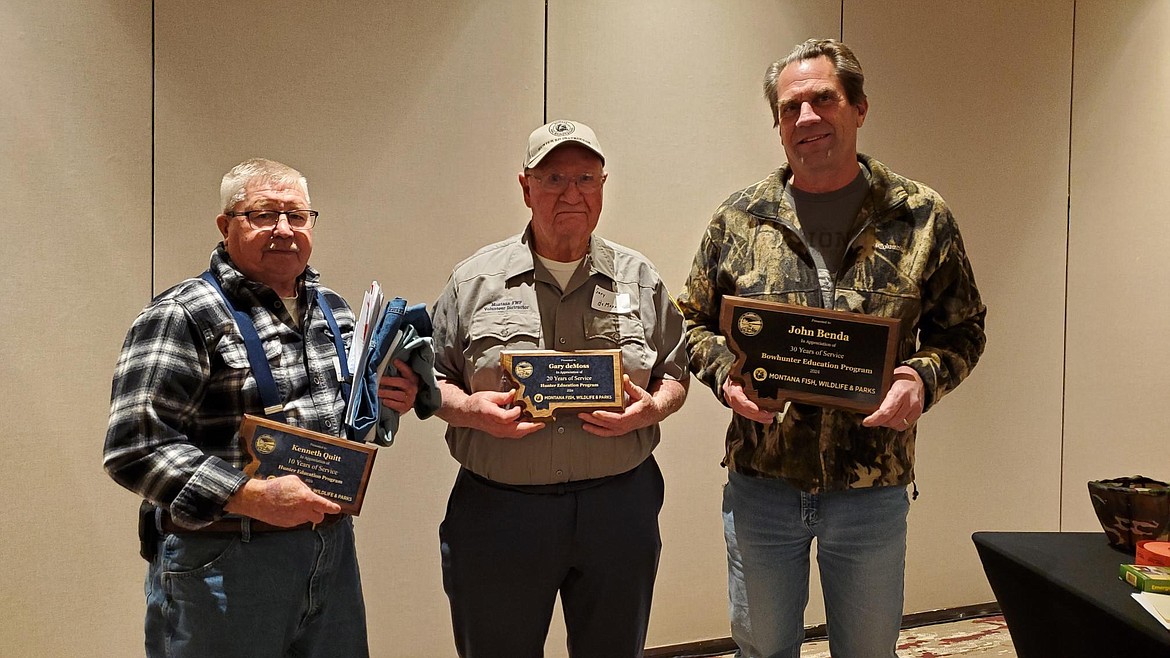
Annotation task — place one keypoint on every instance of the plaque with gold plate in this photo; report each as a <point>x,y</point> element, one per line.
<point>334,468</point>
<point>546,380</point>
<point>810,355</point>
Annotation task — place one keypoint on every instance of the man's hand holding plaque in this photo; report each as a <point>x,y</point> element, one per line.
<point>336,469</point>
<point>284,501</point>
<point>903,404</point>
<point>735,396</point>
<point>546,381</point>
<point>642,410</point>
<point>817,356</point>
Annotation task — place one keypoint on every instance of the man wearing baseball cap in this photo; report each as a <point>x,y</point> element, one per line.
<point>568,505</point>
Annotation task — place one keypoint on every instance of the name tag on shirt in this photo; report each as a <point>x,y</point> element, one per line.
<point>611,302</point>
<point>506,306</point>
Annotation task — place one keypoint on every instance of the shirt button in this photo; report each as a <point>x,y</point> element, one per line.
<point>277,304</point>
<point>560,430</point>
<point>562,341</point>
<point>560,472</point>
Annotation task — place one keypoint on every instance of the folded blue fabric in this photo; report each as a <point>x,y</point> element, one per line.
<point>404,332</point>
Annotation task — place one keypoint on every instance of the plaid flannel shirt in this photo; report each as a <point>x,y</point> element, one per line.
<point>183,384</point>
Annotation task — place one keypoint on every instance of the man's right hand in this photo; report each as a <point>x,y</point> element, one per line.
<point>285,501</point>
<point>491,412</point>
<point>742,405</point>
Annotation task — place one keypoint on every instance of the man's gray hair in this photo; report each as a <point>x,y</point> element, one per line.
<point>845,64</point>
<point>233,189</point>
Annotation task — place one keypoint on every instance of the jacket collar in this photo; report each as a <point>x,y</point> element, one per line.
<point>766,198</point>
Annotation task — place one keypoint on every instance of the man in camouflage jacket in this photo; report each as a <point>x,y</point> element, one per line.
<point>813,471</point>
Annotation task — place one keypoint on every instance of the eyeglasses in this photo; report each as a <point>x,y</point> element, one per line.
<point>557,182</point>
<point>262,220</point>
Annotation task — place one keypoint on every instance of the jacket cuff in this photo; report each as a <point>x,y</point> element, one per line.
<point>925,369</point>
<point>202,499</point>
<point>722,371</point>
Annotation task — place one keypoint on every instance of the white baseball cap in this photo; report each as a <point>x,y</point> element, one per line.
<point>551,135</point>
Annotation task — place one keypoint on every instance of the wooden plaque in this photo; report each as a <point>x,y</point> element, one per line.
<point>546,380</point>
<point>812,355</point>
<point>335,468</point>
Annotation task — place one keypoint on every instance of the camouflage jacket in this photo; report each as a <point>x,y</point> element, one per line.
<point>905,259</point>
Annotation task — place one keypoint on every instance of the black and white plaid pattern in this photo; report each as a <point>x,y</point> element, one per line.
<point>183,384</point>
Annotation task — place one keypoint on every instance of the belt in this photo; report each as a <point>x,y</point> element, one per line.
<point>556,488</point>
<point>235,525</point>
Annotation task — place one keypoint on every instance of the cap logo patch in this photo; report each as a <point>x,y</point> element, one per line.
<point>561,128</point>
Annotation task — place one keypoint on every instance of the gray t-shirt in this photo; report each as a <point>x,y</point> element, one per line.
<point>827,220</point>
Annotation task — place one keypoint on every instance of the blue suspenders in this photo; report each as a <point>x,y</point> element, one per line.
<point>338,343</point>
<point>269,395</point>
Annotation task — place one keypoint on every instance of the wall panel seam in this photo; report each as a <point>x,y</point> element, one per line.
<point>1067,256</point>
<point>153,144</point>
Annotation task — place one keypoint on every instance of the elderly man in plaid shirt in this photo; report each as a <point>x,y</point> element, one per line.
<point>241,567</point>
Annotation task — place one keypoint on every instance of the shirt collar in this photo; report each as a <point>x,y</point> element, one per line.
<point>234,282</point>
<point>599,258</point>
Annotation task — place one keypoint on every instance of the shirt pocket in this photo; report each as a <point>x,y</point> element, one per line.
<point>779,276</point>
<point>492,333</point>
<point>236,375</point>
<point>625,332</point>
<point>887,286</point>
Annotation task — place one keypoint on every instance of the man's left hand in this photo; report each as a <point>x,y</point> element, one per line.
<point>902,406</point>
<point>398,393</point>
<point>642,411</point>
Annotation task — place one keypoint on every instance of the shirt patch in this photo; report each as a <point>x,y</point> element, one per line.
<point>505,306</point>
<point>611,302</point>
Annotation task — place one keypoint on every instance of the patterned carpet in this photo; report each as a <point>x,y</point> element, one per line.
<point>971,638</point>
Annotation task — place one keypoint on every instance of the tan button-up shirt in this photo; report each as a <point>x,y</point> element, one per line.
<point>503,298</point>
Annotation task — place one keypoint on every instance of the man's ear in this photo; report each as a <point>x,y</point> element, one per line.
<point>862,109</point>
<point>222,223</point>
<point>524,188</point>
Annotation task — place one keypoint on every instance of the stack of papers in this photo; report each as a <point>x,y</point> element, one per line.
<point>370,314</point>
<point>1157,605</point>
<point>385,330</point>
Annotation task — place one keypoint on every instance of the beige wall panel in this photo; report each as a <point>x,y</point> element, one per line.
<point>1118,367</point>
<point>674,90</point>
<point>409,120</point>
<point>75,171</point>
<point>972,99</point>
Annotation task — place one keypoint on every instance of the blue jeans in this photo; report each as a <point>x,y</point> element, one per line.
<point>293,593</point>
<point>861,552</point>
